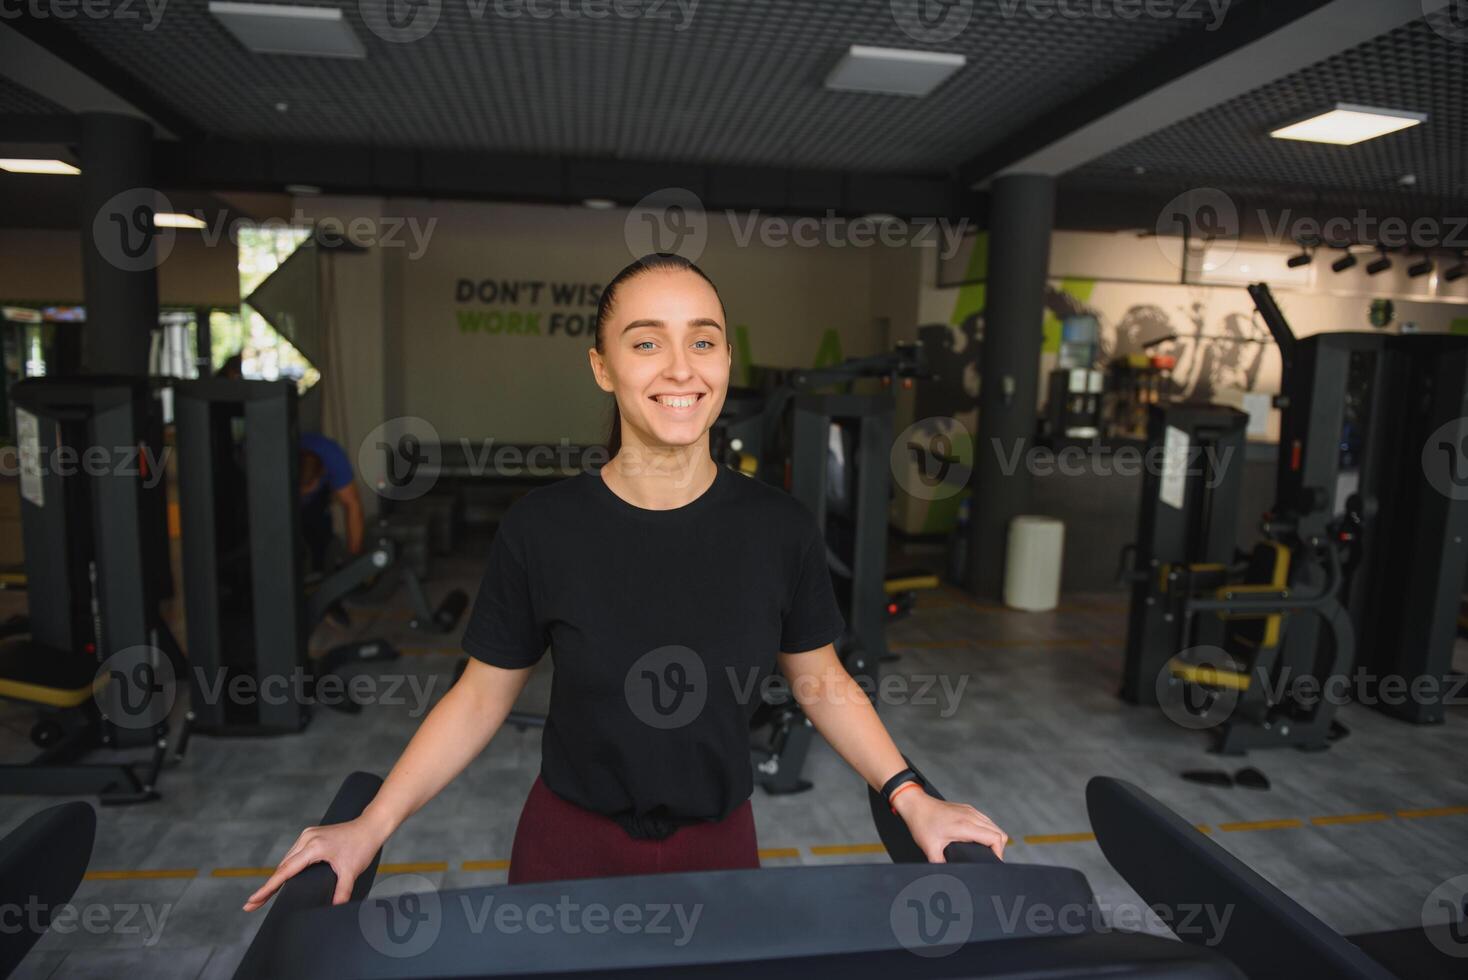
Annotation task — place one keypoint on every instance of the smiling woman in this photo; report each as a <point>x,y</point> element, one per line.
<point>639,348</point>
<point>668,590</point>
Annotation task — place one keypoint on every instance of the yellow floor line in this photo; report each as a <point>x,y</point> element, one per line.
<point>416,867</point>
<point>1436,811</point>
<point>1349,818</point>
<point>834,849</point>
<point>1058,838</point>
<point>1240,825</point>
<point>822,850</point>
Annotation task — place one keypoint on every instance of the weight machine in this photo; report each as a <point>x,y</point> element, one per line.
<point>838,464</point>
<point>1359,548</point>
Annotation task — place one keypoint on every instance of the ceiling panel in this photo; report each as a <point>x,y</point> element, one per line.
<point>739,82</point>
<point>1422,66</point>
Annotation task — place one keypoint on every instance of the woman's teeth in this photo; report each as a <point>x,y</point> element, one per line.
<point>681,401</point>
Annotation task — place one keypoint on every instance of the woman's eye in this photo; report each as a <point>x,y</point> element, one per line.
<point>640,345</point>
<point>708,344</point>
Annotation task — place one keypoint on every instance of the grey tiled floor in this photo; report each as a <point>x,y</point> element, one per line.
<point>1037,719</point>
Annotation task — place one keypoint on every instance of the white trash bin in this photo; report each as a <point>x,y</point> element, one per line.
<point>1032,563</point>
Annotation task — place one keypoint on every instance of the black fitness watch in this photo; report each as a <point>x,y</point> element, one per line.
<point>905,776</point>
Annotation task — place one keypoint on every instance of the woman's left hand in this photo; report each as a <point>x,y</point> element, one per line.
<point>936,823</point>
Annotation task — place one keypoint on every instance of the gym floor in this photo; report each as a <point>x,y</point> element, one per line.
<point>1359,835</point>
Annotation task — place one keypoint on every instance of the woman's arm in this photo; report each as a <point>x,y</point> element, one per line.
<point>842,713</point>
<point>455,731</point>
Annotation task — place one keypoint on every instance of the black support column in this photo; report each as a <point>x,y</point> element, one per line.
<point>120,247</point>
<point>1021,217</point>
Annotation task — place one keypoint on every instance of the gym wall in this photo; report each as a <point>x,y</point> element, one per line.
<point>485,318</point>
<point>45,265</point>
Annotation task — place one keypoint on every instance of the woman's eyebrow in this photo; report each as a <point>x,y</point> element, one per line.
<point>700,322</point>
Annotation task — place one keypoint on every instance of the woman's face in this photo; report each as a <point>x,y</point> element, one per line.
<point>666,357</point>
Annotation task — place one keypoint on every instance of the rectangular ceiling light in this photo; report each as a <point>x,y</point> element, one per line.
<point>174,219</point>
<point>39,167</point>
<point>270,28</point>
<point>892,71</point>
<point>1349,124</point>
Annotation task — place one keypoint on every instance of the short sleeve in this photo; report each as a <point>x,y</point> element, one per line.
<point>338,467</point>
<point>812,619</point>
<point>502,629</point>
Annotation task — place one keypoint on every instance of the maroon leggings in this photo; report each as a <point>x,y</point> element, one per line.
<point>556,840</point>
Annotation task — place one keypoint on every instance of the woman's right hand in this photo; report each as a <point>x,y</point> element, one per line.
<point>348,847</point>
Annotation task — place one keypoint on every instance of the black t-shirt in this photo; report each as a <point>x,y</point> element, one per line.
<point>663,626</point>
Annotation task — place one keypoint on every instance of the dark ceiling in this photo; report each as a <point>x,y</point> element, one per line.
<point>741,83</point>
<point>1418,67</point>
<point>498,106</point>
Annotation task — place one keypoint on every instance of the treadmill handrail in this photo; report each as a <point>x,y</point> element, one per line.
<point>1172,865</point>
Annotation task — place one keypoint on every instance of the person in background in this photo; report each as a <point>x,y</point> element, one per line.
<point>327,478</point>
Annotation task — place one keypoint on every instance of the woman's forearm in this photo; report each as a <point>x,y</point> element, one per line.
<point>841,711</point>
<point>451,736</point>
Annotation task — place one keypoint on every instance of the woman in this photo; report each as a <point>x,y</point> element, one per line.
<point>665,584</point>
